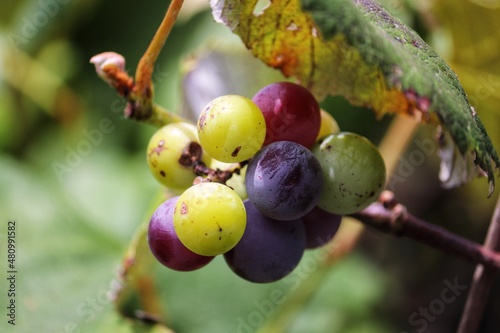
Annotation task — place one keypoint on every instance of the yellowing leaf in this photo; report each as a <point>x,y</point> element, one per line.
<point>357,50</point>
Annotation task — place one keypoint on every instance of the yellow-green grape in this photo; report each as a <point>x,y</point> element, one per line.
<point>209,219</point>
<point>328,125</point>
<point>164,151</point>
<point>237,181</point>
<point>231,128</point>
<point>354,173</point>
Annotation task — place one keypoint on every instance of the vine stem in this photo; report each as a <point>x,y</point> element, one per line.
<point>145,68</point>
<point>388,216</point>
<point>139,92</point>
<point>482,281</point>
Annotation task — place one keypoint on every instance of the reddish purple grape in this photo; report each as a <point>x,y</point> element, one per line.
<point>284,180</point>
<point>320,227</point>
<point>166,246</point>
<point>269,249</point>
<point>291,112</point>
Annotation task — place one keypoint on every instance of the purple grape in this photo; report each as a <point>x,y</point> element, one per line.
<point>291,112</point>
<point>284,180</point>
<point>269,249</point>
<point>166,246</point>
<point>320,227</point>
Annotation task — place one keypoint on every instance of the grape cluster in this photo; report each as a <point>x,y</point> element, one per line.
<point>259,181</point>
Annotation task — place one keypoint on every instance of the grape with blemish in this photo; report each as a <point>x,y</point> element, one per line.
<point>164,151</point>
<point>209,218</point>
<point>354,173</point>
<point>284,180</point>
<point>166,246</point>
<point>231,128</point>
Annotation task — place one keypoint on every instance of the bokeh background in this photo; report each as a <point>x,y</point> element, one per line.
<point>73,175</point>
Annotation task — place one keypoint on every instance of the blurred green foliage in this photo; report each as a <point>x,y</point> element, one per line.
<point>75,223</point>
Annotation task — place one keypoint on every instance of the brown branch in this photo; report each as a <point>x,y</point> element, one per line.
<point>391,217</point>
<point>482,281</point>
<point>143,89</point>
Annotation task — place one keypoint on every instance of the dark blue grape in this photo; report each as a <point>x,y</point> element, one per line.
<point>269,249</point>
<point>320,227</point>
<point>284,180</point>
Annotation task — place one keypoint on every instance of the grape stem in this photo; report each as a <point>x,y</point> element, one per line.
<point>217,175</point>
<point>139,93</point>
<point>143,89</point>
<point>388,216</point>
<point>191,157</point>
<point>482,280</point>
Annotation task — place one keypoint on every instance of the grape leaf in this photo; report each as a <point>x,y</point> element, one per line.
<point>358,50</point>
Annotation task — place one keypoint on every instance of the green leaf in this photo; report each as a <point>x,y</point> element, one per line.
<point>67,252</point>
<point>358,50</point>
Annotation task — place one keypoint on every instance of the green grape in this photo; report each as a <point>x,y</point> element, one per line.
<point>209,219</point>
<point>231,128</point>
<point>237,181</point>
<point>353,173</point>
<point>164,151</point>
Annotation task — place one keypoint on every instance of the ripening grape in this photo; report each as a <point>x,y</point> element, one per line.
<point>320,227</point>
<point>353,173</point>
<point>291,112</point>
<point>231,128</point>
<point>209,218</point>
<point>166,246</point>
<point>164,150</point>
<point>284,180</point>
<point>328,125</point>
<point>269,250</point>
